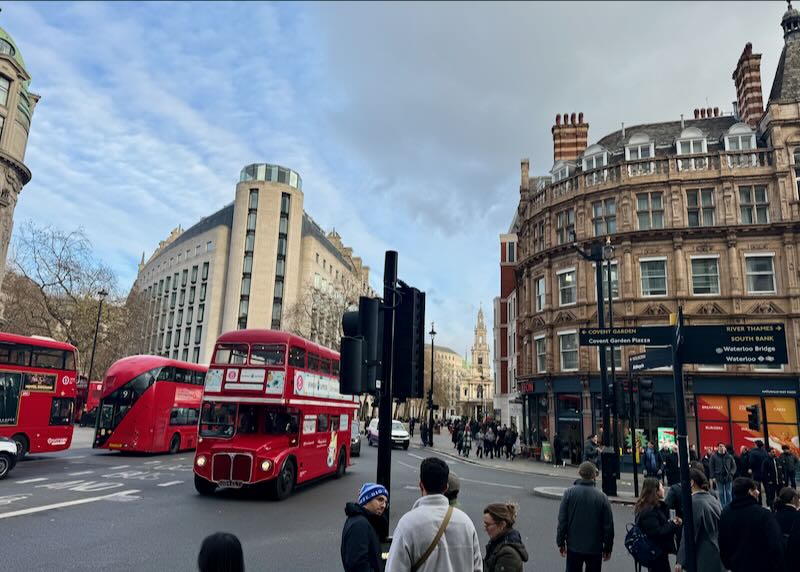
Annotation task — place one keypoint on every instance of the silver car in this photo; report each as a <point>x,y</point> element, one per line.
<point>8,456</point>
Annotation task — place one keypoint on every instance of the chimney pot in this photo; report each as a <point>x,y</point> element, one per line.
<point>683,124</point>
<point>572,118</point>
<point>580,118</point>
<point>696,113</point>
<point>709,111</point>
<point>716,112</point>
<point>702,113</point>
<point>558,119</point>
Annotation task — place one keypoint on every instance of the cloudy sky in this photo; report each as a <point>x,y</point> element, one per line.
<point>407,121</point>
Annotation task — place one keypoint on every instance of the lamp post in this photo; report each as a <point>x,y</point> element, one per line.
<point>608,256</point>
<point>430,392</point>
<point>102,293</point>
<point>607,465</point>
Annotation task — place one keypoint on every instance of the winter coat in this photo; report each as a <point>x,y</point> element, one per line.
<point>749,537</point>
<point>591,453</point>
<point>788,461</point>
<point>506,553</point>
<point>771,473</point>
<point>655,523</point>
<point>787,516</point>
<point>652,463</point>
<point>757,458</point>
<point>743,464</point>
<point>706,512</point>
<point>585,522</point>
<point>671,469</point>
<point>361,536</point>
<point>459,549</point>
<point>723,467</point>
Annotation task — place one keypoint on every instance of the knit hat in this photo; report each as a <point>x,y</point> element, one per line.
<point>369,491</point>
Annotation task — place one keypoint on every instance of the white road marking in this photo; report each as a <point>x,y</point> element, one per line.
<point>119,467</point>
<point>43,508</point>
<point>416,456</point>
<point>80,473</point>
<point>169,484</point>
<point>76,457</point>
<point>8,499</point>
<point>26,481</point>
<point>492,484</point>
<point>150,463</point>
<point>407,465</point>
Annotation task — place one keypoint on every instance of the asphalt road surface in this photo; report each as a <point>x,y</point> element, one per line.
<point>82,509</point>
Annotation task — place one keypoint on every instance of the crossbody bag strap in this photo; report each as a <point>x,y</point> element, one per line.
<point>436,539</point>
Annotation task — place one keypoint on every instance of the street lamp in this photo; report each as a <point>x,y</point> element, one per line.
<point>608,256</point>
<point>430,393</point>
<point>102,293</point>
<point>608,457</point>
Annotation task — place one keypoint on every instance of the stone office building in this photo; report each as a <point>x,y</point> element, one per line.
<point>703,213</point>
<point>259,262</point>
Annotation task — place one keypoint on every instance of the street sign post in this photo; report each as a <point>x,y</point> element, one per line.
<point>643,336</point>
<point>758,344</point>
<point>651,358</point>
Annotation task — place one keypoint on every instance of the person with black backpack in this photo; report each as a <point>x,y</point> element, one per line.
<point>653,520</point>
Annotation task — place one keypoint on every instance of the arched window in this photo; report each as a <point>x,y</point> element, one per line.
<point>5,83</point>
<point>797,170</point>
<point>639,148</point>
<point>691,142</point>
<point>740,137</point>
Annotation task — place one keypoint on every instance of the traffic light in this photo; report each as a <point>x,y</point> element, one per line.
<point>753,417</point>
<point>620,407</point>
<point>359,348</point>
<point>646,395</point>
<point>409,344</point>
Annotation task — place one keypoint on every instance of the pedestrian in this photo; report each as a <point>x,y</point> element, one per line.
<point>505,551</point>
<point>411,425</point>
<point>652,462</point>
<point>786,512</point>
<point>749,536</point>
<point>673,497</point>
<point>423,433</point>
<point>499,443</point>
<point>670,464</point>
<point>585,533</point>
<point>652,517</point>
<point>434,536</point>
<point>488,443</point>
<point>788,462</point>
<point>693,456</point>
<point>364,530</point>
<point>558,445</point>
<point>723,470</point>
<point>453,488</point>
<point>706,460</point>
<point>743,462</point>
<point>758,456</point>
<point>591,451</point>
<point>460,439</point>
<point>772,477</point>
<point>467,446</point>
<point>221,552</point>
<point>706,512</point>
<point>479,443</point>
<point>511,440</point>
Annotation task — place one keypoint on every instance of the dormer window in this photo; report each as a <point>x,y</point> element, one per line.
<point>594,159</point>
<point>639,148</point>
<point>6,48</point>
<point>560,171</point>
<point>740,138</point>
<point>691,142</point>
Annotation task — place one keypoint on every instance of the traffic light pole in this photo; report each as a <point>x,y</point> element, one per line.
<point>634,444</point>
<point>384,473</point>
<point>683,446</point>
<point>613,369</point>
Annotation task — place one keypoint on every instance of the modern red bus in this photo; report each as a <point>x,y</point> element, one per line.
<point>88,413</point>
<point>37,393</point>
<point>150,404</point>
<point>272,414</point>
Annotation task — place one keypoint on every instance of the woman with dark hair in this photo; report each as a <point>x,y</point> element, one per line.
<point>786,512</point>
<point>505,550</point>
<point>221,552</point>
<point>652,516</point>
<point>706,512</point>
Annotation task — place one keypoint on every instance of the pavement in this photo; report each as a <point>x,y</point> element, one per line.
<point>444,446</point>
<point>86,509</point>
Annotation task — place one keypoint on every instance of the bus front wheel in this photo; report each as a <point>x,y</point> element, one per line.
<point>204,487</point>
<point>175,444</point>
<point>22,445</point>
<point>283,486</point>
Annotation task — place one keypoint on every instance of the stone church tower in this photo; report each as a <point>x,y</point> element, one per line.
<point>480,348</point>
<point>16,109</point>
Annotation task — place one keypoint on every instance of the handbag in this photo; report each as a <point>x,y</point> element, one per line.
<point>435,541</point>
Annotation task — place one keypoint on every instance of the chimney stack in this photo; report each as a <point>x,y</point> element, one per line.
<point>524,167</point>
<point>569,137</point>
<point>703,113</point>
<point>747,77</point>
<point>696,113</point>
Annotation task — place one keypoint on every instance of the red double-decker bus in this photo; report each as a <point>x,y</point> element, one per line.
<point>150,404</point>
<point>37,392</point>
<point>88,413</point>
<point>272,414</point>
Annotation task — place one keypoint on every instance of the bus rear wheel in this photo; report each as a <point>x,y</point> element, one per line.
<point>283,486</point>
<point>23,446</point>
<point>204,487</point>
<point>341,465</point>
<point>175,444</point>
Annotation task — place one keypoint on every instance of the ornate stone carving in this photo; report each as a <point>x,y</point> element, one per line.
<point>709,309</point>
<point>564,317</point>
<point>765,307</point>
<point>538,323</point>
<point>656,310</point>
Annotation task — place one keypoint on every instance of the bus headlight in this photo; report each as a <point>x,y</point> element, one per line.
<point>201,461</point>
<point>266,466</point>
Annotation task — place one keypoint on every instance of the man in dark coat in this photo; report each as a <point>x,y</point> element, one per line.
<point>364,529</point>
<point>558,445</point>
<point>757,458</point>
<point>671,469</point>
<point>749,536</point>
<point>772,476</point>
<point>591,451</point>
<point>788,463</point>
<point>651,461</point>
<point>723,470</point>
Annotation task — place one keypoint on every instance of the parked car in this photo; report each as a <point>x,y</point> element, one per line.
<point>8,456</point>
<point>399,434</point>
<point>355,439</point>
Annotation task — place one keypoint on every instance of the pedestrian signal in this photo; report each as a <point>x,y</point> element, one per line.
<point>646,395</point>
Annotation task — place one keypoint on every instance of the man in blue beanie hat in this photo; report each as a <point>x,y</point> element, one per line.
<point>364,530</point>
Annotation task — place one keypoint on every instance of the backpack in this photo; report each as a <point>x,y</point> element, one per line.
<point>639,546</point>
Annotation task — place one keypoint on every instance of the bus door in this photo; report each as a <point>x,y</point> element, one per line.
<point>307,454</point>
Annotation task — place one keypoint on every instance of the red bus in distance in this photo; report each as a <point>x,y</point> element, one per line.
<point>149,404</point>
<point>272,414</point>
<point>37,392</point>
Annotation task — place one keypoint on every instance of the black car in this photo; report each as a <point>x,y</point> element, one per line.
<point>355,439</point>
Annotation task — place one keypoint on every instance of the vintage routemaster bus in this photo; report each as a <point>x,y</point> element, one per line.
<point>37,393</point>
<point>150,404</point>
<point>272,415</point>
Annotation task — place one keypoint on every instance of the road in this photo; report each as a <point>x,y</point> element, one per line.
<point>83,509</point>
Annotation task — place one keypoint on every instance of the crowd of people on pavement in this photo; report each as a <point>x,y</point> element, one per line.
<point>490,439</point>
